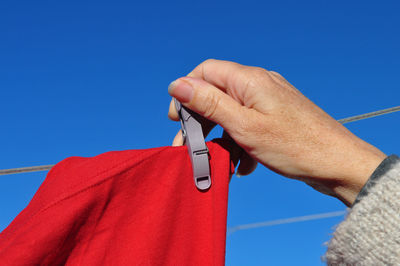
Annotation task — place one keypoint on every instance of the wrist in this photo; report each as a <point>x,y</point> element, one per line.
<point>384,167</point>
<point>359,170</point>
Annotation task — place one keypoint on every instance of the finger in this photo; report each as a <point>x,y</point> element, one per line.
<point>206,125</point>
<point>178,140</point>
<point>242,83</point>
<point>247,165</point>
<point>172,113</point>
<point>207,101</point>
<point>235,150</point>
<point>220,73</point>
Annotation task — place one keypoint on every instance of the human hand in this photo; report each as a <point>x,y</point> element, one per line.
<point>276,125</point>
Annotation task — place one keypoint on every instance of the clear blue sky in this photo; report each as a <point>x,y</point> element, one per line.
<point>79,78</point>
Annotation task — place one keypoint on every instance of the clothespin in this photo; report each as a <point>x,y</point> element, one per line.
<point>192,133</point>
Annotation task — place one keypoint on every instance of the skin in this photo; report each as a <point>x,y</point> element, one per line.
<point>273,123</point>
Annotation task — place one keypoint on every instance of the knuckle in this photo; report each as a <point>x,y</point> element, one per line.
<point>256,77</point>
<point>275,73</point>
<point>208,61</point>
<point>203,67</point>
<point>259,71</point>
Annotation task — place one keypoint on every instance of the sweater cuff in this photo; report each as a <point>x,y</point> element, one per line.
<point>370,234</point>
<point>382,169</point>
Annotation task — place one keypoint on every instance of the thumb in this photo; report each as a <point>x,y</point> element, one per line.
<point>208,101</point>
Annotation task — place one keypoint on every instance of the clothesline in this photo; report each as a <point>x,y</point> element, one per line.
<point>233,229</point>
<point>343,121</point>
<point>369,115</point>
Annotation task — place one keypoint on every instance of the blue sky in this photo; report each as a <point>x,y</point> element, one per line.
<point>79,78</point>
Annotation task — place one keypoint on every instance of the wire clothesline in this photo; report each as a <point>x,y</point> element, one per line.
<point>369,115</point>
<point>21,170</point>
<point>233,229</point>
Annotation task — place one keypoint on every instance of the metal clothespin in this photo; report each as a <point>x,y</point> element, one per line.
<point>193,137</point>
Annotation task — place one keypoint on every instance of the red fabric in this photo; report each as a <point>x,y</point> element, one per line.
<point>137,207</point>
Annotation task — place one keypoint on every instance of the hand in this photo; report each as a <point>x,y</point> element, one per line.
<point>277,126</point>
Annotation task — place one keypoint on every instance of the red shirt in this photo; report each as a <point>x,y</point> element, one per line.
<point>136,207</point>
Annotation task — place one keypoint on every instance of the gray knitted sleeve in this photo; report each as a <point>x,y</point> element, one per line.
<point>370,234</point>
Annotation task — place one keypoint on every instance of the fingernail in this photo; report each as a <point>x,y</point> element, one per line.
<point>238,175</point>
<point>181,90</point>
